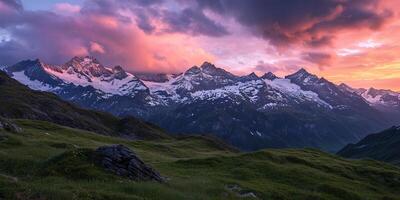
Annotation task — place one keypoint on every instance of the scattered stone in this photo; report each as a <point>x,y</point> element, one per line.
<point>7,125</point>
<point>11,178</point>
<point>241,192</point>
<point>122,161</point>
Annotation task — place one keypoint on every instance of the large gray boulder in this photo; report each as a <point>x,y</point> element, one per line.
<point>122,161</point>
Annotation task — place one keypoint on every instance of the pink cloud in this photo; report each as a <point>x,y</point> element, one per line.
<point>67,7</point>
<point>96,47</point>
<point>145,36</point>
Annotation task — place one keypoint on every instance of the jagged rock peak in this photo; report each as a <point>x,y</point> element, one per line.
<point>193,70</point>
<point>119,72</point>
<point>270,76</point>
<point>211,69</point>
<point>250,77</point>
<point>206,65</point>
<point>252,74</point>
<point>302,75</point>
<point>303,72</point>
<point>87,65</point>
<point>85,59</point>
<point>25,65</point>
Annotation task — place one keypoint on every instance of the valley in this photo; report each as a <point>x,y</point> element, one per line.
<point>46,161</point>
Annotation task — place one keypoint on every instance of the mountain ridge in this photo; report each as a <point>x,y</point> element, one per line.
<point>19,101</point>
<point>382,146</point>
<point>208,99</point>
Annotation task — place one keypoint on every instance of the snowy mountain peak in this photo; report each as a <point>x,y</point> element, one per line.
<point>303,76</point>
<point>386,98</point>
<point>270,76</point>
<point>208,70</point>
<point>78,72</point>
<point>212,70</point>
<point>375,92</point>
<point>87,66</point>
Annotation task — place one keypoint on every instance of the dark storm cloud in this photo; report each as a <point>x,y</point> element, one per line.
<point>188,20</point>
<point>312,22</point>
<point>321,59</point>
<point>16,4</point>
<point>192,22</point>
<point>100,29</point>
<point>55,37</point>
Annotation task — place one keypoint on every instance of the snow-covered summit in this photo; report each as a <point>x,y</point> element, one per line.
<point>303,76</point>
<point>207,83</point>
<point>207,76</point>
<point>86,66</point>
<point>382,97</point>
<point>79,71</point>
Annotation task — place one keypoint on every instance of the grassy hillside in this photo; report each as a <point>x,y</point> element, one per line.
<point>47,161</point>
<point>18,101</point>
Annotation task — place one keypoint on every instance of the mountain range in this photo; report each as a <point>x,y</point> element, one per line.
<point>19,101</point>
<point>249,112</point>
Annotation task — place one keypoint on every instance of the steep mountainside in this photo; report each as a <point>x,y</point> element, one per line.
<point>47,161</point>
<point>251,112</point>
<point>383,146</point>
<point>18,101</point>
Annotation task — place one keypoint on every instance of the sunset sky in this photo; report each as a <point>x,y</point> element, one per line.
<point>356,42</point>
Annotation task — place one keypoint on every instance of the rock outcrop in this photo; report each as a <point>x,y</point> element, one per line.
<point>122,161</point>
<point>7,125</point>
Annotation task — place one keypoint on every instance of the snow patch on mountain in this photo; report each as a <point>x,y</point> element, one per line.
<point>106,84</point>
<point>372,99</point>
<point>33,84</point>
<point>286,87</point>
<point>241,90</point>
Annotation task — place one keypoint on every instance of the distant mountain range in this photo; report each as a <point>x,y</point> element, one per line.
<point>250,112</point>
<point>19,101</point>
<point>383,146</point>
